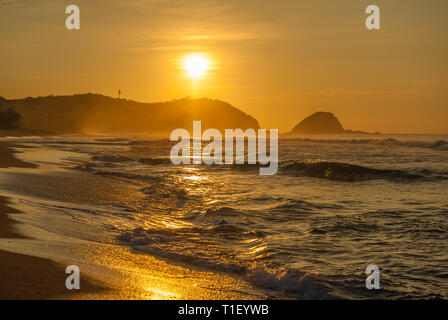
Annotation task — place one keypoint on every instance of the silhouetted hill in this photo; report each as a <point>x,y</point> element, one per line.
<point>319,122</point>
<point>323,123</point>
<point>95,113</point>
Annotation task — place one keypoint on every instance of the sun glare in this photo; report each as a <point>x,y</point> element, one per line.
<point>196,65</point>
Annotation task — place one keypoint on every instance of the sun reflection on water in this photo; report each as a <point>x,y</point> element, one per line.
<point>159,294</point>
<point>196,178</point>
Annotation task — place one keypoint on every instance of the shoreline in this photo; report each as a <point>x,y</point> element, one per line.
<point>47,278</point>
<point>108,271</point>
<point>8,160</point>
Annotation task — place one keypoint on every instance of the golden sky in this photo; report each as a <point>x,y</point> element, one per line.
<point>276,60</point>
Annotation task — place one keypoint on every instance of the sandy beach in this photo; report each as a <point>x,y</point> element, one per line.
<point>107,272</point>
<point>47,278</point>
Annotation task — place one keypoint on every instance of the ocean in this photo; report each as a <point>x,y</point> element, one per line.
<point>337,205</point>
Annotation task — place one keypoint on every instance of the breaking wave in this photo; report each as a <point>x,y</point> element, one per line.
<point>343,171</point>
<point>181,245</point>
<point>440,145</point>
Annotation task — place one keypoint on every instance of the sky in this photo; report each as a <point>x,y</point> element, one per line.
<point>278,61</point>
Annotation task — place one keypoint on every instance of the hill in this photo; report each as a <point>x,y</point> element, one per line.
<point>323,123</point>
<point>319,123</point>
<point>94,113</point>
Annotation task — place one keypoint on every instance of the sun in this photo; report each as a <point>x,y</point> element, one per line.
<point>196,65</point>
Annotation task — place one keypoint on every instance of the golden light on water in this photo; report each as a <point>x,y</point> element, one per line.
<point>159,294</point>
<point>196,65</point>
<point>194,178</point>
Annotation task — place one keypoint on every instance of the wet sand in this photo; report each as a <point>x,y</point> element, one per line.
<point>6,224</point>
<point>23,276</point>
<point>33,278</point>
<point>7,160</point>
<point>108,272</point>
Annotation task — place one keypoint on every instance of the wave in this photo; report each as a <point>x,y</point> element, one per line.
<point>175,245</point>
<point>223,239</point>
<point>338,171</point>
<point>124,157</point>
<point>155,161</point>
<point>307,286</point>
<point>90,167</point>
<point>111,139</point>
<point>111,157</point>
<point>439,145</point>
<point>343,171</point>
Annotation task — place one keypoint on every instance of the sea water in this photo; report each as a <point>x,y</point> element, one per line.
<point>337,205</point>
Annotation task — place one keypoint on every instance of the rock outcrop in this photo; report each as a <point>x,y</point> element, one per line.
<point>319,123</point>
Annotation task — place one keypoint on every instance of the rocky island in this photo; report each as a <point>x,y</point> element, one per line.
<point>322,123</point>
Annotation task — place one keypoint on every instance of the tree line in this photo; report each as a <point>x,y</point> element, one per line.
<point>9,119</point>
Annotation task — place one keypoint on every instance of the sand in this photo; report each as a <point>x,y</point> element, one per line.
<point>23,276</point>
<point>7,160</point>
<point>108,272</point>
